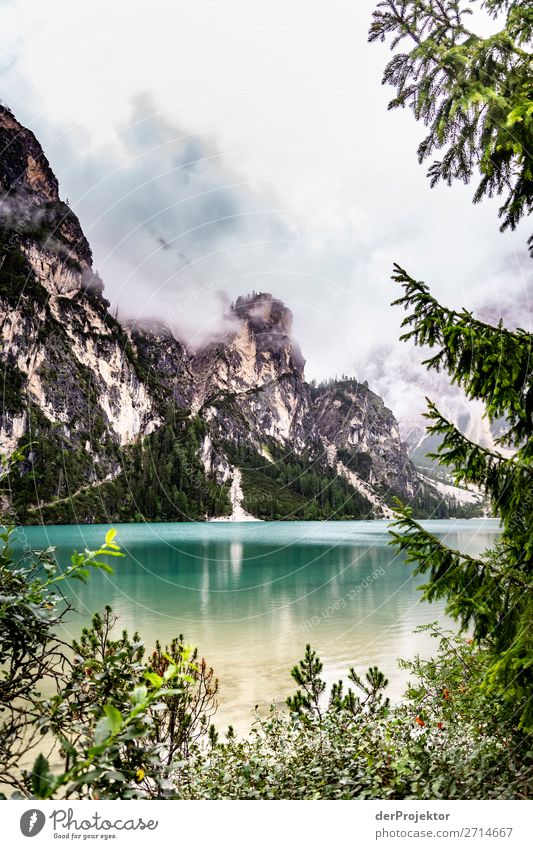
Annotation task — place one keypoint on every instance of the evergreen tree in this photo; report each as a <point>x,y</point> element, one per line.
<point>474,94</point>
<point>307,676</point>
<point>491,594</point>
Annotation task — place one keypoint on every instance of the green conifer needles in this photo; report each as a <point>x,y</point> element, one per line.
<point>473,92</point>
<point>493,594</point>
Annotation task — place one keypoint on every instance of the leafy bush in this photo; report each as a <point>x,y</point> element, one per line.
<point>31,608</point>
<point>171,693</point>
<point>447,739</point>
<point>121,721</point>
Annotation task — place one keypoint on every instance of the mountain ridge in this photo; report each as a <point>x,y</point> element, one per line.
<point>122,421</point>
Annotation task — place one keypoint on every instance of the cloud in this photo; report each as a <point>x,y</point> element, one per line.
<point>172,222</point>
<point>217,152</point>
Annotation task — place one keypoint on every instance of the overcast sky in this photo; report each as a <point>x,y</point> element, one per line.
<point>212,148</point>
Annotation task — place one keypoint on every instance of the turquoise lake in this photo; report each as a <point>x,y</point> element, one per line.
<point>251,595</point>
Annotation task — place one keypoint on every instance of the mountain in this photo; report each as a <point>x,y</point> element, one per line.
<point>396,375</point>
<point>123,422</point>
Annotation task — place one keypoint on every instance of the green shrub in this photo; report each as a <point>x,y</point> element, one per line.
<point>447,739</point>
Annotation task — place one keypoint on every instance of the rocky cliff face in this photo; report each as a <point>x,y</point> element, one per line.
<point>354,421</point>
<point>251,386</point>
<point>255,376</point>
<point>164,363</point>
<point>104,404</point>
<point>70,370</point>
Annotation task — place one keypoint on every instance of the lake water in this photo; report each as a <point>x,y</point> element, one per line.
<point>251,595</point>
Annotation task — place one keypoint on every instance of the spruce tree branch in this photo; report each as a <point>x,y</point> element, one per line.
<point>414,530</point>
<point>472,91</point>
<point>416,290</point>
<point>490,363</point>
<point>416,536</point>
<point>444,426</point>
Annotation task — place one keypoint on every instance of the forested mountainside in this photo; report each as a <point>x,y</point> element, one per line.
<point>122,422</point>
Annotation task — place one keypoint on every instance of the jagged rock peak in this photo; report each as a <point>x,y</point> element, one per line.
<point>264,312</point>
<point>23,163</point>
<point>152,327</point>
<point>30,202</point>
<point>268,321</point>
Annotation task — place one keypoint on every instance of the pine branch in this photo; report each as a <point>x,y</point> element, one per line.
<point>504,479</point>
<point>409,524</point>
<point>473,587</point>
<point>443,426</point>
<point>490,363</point>
<point>472,92</point>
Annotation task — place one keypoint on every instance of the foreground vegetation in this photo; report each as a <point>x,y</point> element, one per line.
<point>129,724</point>
<point>447,740</point>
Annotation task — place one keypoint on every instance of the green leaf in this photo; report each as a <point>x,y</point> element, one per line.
<point>139,694</point>
<point>81,575</point>
<point>170,672</point>
<point>110,536</point>
<point>154,679</point>
<point>102,730</point>
<point>114,716</point>
<point>105,567</point>
<point>89,777</point>
<point>42,780</point>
